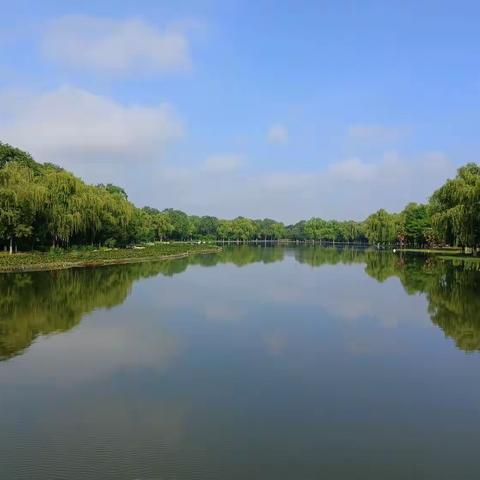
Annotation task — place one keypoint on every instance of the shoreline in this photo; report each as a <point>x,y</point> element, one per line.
<point>450,250</point>
<point>443,253</point>
<point>58,264</point>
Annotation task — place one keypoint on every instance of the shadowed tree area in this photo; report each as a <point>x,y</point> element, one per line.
<point>451,287</point>
<point>43,303</point>
<point>454,303</point>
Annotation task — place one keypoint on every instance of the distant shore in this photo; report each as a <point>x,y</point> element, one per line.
<point>60,260</point>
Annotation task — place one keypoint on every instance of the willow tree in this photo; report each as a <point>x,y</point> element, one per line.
<point>351,231</point>
<point>224,230</point>
<point>20,199</point>
<point>314,228</point>
<point>380,227</point>
<point>90,203</point>
<point>162,226</point>
<point>243,228</point>
<point>456,208</point>
<point>110,215</point>
<point>63,207</point>
<point>9,154</point>
<point>269,229</point>
<point>277,231</point>
<point>332,231</point>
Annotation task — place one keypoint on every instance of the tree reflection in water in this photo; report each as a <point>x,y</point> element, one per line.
<point>34,304</point>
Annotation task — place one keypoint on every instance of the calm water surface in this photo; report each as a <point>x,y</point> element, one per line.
<point>258,363</point>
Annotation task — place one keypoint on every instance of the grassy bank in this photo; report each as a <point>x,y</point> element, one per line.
<point>56,260</point>
<point>448,253</point>
<point>443,251</point>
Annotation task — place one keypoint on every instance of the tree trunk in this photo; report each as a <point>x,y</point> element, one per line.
<point>11,246</point>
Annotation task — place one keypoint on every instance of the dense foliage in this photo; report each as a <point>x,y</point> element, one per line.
<point>42,205</point>
<point>456,208</point>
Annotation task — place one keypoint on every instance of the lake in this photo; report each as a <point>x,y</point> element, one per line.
<point>281,363</point>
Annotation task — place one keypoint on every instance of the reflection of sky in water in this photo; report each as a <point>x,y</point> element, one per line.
<point>276,371</point>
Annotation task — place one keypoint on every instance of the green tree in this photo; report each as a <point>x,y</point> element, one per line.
<point>141,228</point>
<point>296,231</point>
<point>182,226</point>
<point>44,204</point>
<point>243,229</point>
<point>314,228</point>
<point>456,208</point>
<point>208,227</point>
<point>332,231</point>
<point>225,229</point>
<point>63,207</point>
<point>380,227</point>
<point>417,223</point>
<point>10,154</point>
<point>20,198</point>
<point>268,229</point>
<point>351,231</point>
<point>116,190</point>
<point>162,226</point>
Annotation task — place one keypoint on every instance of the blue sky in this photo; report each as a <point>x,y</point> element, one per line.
<point>285,109</point>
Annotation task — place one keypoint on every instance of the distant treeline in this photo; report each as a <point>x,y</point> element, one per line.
<point>43,205</point>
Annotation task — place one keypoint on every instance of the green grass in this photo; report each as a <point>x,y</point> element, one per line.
<point>449,250</point>
<point>447,253</point>
<point>60,259</point>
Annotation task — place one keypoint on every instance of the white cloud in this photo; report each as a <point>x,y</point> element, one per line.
<point>352,188</point>
<point>277,134</point>
<point>223,163</point>
<point>377,134</point>
<point>89,133</point>
<point>72,126</point>
<point>352,170</point>
<point>116,46</point>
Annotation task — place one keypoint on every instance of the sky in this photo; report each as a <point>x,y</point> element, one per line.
<point>282,109</point>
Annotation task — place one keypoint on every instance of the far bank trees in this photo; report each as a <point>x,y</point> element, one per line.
<point>44,206</point>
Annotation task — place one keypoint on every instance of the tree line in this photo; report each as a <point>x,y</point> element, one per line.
<point>44,206</point>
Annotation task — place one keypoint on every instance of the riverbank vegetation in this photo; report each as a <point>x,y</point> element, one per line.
<point>43,206</point>
<point>57,259</point>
